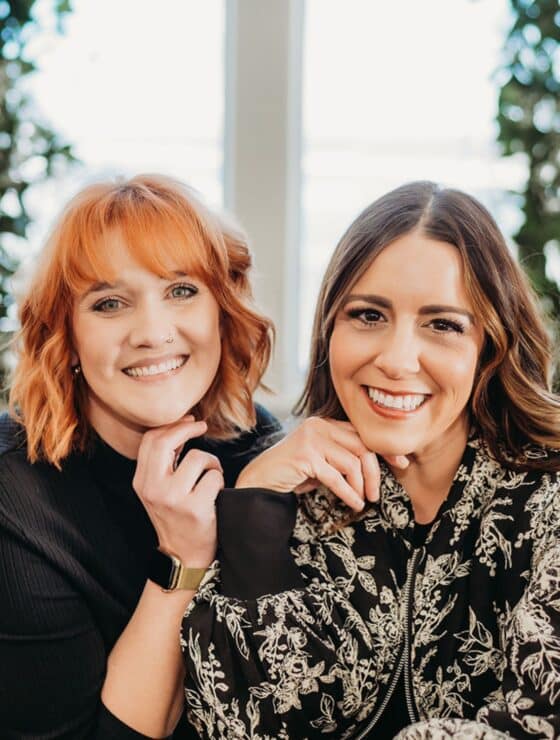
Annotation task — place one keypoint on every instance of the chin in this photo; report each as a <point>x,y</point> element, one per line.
<point>383,446</point>
<point>162,417</point>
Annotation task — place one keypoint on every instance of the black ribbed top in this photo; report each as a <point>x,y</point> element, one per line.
<point>74,547</point>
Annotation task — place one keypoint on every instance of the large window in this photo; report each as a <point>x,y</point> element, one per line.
<point>395,92</point>
<point>294,114</point>
<point>134,86</point>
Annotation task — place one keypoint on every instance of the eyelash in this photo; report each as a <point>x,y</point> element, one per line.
<point>450,326</point>
<point>441,326</point>
<point>360,313</point>
<point>101,305</point>
<point>192,290</point>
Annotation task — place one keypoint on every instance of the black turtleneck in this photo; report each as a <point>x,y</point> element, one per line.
<point>74,548</point>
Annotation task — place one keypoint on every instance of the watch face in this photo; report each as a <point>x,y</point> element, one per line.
<point>161,569</point>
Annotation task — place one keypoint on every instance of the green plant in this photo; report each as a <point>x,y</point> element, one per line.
<point>30,151</point>
<point>529,122</point>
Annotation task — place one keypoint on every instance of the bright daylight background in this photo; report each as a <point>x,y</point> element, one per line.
<point>392,91</point>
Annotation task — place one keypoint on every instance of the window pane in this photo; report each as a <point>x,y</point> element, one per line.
<point>135,86</point>
<point>395,92</point>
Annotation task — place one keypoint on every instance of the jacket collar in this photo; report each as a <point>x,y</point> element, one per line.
<point>473,485</point>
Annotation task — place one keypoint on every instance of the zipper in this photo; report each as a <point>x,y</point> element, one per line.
<point>410,703</point>
<point>404,659</point>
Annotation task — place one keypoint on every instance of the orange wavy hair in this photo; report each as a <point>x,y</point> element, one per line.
<point>165,226</point>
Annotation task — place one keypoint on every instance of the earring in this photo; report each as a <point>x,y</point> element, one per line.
<point>169,339</point>
<point>76,370</point>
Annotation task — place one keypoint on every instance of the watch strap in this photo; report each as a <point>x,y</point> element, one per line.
<point>168,572</point>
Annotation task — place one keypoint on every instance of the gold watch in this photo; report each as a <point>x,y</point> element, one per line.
<point>169,572</point>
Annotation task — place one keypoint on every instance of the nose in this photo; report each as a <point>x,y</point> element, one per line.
<point>398,354</point>
<point>151,328</point>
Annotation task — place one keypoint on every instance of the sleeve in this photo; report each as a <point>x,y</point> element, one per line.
<point>52,655</point>
<point>528,704</point>
<point>287,659</point>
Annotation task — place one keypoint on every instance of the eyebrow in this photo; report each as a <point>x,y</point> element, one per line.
<point>433,308</point>
<point>101,286</point>
<point>98,287</point>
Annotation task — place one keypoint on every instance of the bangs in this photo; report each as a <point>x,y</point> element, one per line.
<point>164,237</point>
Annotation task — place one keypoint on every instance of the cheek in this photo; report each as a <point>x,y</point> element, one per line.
<point>346,355</point>
<point>458,373</point>
<point>336,360</point>
<point>206,334</point>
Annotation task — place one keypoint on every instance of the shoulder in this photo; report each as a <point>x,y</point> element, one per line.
<point>27,492</point>
<point>12,434</point>
<point>266,432</point>
<point>236,453</point>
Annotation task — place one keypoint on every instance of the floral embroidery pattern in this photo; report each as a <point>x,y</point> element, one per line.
<point>482,620</point>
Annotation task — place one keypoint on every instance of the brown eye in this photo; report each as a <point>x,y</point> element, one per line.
<point>444,326</point>
<point>368,316</point>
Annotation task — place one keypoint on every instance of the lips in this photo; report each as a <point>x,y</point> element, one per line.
<point>155,368</point>
<point>399,402</point>
<point>394,405</point>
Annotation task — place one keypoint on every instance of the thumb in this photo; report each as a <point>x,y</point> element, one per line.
<point>397,461</point>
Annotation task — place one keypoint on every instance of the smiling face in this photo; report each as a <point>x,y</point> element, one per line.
<point>404,349</point>
<point>136,376</point>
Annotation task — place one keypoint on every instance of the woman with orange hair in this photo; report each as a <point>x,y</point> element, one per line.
<point>138,317</point>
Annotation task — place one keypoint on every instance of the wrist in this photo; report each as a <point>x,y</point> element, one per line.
<point>245,480</point>
<point>170,573</point>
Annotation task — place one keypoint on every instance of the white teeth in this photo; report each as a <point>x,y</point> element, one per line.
<point>405,403</point>
<point>162,367</point>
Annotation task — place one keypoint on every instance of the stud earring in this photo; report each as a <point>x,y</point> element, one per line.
<point>76,370</point>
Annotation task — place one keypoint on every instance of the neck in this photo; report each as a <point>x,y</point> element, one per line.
<point>120,434</point>
<point>431,471</point>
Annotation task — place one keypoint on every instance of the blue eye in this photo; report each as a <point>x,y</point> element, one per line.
<point>183,290</point>
<point>108,305</point>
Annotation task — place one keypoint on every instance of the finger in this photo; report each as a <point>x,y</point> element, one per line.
<point>335,482</point>
<point>349,465</point>
<point>343,433</point>
<point>398,461</point>
<point>192,467</point>
<point>156,454</point>
<point>309,485</point>
<point>372,476</point>
<point>208,487</point>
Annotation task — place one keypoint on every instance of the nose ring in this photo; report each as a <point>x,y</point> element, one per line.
<point>169,339</point>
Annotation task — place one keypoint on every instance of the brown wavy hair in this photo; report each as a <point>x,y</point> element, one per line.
<point>511,402</point>
<point>164,226</point>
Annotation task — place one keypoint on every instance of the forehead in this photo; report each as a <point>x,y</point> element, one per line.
<point>110,254</point>
<point>416,269</point>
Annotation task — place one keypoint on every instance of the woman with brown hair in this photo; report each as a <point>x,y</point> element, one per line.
<point>139,352</point>
<point>436,608</point>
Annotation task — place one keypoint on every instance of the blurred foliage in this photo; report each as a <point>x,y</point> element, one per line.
<point>529,122</point>
<point>30,151</point>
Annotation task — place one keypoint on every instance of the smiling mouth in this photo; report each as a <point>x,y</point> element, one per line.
<point>400,402</point>
<point>159,368</point>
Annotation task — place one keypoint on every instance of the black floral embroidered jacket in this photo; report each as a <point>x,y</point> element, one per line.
<point>305,631</point>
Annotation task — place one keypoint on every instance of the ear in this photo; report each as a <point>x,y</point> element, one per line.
<point>74,359</point>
